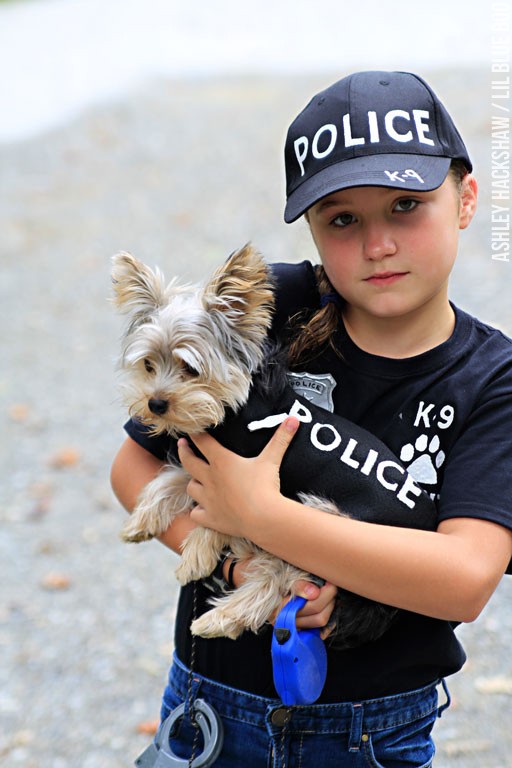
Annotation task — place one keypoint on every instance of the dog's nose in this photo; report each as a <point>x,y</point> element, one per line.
<point>158,406</point>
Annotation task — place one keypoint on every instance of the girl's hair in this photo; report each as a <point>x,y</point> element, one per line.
<point>311,332</point>
<point>458,171</point>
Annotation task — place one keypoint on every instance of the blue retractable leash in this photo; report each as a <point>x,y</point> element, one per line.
<point>299,658</point>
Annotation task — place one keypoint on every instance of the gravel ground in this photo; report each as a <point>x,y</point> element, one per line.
<point>180,173</point>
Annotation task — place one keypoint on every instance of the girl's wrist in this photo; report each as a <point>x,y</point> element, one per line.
<point>228,571</point>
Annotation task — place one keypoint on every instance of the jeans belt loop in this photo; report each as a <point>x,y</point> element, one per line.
<point>356,728</point>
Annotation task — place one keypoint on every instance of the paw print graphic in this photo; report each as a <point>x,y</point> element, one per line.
<point>423,458</point>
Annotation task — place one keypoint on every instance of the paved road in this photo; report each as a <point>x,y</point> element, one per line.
<point>180,174</point>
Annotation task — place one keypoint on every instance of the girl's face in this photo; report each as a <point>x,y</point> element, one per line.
<point>388,252</point>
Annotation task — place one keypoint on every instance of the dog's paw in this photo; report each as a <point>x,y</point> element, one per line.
<point>200,552</point>
<point>134,532</point>
<point>187,572</point>
<point>217,623</point>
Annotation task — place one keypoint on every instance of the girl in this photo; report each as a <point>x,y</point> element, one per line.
<point>378,168</point>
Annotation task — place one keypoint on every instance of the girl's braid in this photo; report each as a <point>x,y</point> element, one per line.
<point>311,333</point>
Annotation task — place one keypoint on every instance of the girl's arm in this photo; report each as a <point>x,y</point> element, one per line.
<point>448,574</point>
<point>132,469</point>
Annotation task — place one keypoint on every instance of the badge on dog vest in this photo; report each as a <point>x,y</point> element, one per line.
<point>317,388</point>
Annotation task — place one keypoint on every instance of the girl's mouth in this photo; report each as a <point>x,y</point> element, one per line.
<point>385,278</point>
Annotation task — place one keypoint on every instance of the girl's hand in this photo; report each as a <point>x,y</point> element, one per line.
<point>317,611</point>
<point>230,490</point>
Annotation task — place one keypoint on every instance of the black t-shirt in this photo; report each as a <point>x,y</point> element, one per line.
<point>447,415</point>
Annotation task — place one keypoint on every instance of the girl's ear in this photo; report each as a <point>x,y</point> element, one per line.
<point>468,200</point>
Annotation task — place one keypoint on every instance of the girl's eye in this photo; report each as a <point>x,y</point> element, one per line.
<point>405,205</point>
<point>148,365</point>
<point>343,220</point>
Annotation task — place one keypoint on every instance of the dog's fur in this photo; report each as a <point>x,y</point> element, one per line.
<point>189,356</point>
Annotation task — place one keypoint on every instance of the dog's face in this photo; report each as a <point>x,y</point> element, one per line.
<point>189,352</point>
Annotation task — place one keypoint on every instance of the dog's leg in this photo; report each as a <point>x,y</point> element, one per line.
<point>200,553</point>
<point>269,581</point>
<point>160,502</point>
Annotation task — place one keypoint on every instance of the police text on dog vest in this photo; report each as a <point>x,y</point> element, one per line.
<point>326,438</point>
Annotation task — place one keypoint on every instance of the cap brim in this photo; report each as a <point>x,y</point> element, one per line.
<point>413,173</point>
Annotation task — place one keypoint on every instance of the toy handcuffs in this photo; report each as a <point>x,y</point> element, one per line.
<point>160,755</point>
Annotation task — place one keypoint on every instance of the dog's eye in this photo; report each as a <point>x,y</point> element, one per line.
<point>148,365</point>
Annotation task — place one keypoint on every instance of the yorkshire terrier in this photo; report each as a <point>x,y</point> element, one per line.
<point>197,358</point>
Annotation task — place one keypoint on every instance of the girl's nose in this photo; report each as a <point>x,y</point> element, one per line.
<point>378,241</point>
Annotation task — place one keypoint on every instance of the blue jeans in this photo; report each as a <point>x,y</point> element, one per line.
<point>392,732</point>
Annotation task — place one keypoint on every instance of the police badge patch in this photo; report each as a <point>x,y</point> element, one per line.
<point>316,388</point>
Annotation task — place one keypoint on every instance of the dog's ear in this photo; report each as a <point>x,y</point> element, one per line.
<point>242,290</point>
<point>137,289</point>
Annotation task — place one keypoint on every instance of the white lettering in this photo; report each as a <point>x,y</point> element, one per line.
<point>347,453</point>
<point>347,130</point>
<point>301,412</point>
<point>267,423</point>
<point>374,127</point>
<point>390,128</point>
<point>326,438</point>
<point>409,486</point>
<point>423,414</point>
<point>301,151</point>
<point>298,410</point>
<point>417,119</point>
<point>334,135</point>
<point>422,128</point>
<point>393,176</point>
<point>336,440</point>
<point>500,257</point>
<point>447,415</point>
<point>369,462</point>
<point>381,468</point>
<point>403,176</point>
<point>498,211</point>
<point>413,175</point>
